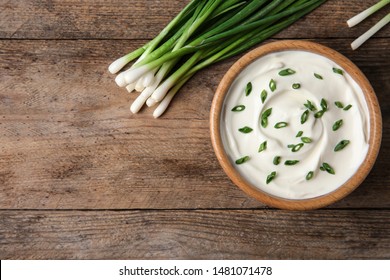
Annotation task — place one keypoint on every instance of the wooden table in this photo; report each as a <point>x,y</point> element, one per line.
<point>83,178</point>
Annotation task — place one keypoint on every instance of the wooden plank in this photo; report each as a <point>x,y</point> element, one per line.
<point>68,141</point>
<point>243,234</point>
<point>136,19</point>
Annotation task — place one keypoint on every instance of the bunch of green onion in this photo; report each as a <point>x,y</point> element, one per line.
<point>203,33</point>
<point>362,16</point>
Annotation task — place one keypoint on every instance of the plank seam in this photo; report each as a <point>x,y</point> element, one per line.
<point>190,210</point>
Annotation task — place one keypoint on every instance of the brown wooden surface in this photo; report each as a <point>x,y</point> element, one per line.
<point>80,177</point>
<point>198,234</point>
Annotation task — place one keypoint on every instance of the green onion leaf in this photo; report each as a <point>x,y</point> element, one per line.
<point>339,104</point>
<point>242,160</point>
<point>348,107</point>
<point>204,33</point>
<point>291,162</point>
<point>299,134</point>
<point>318,76</point>
<point>297,147</point>
<point>263,96</point>
<point>280,125</point>
<point>341,145</point>
<point>272,85</point>
<point>306,140</point>
<point>238,108</point>
<point>328,168</point>
<point>270,177</point>
<point>263,146</point>
<point>304,116</point>
<point>290,146</point>
<point>286,72</point>
<point>296,86</point>
<point>276,160</point>
<point>338,71</point>
<point>337,125</point>
<point>245,129</point>
<point>309,175</point>
<point>248,89</point>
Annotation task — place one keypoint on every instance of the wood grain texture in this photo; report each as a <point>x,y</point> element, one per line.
<point>68,140</point>
<point>136,19</point>
<point>241,234</point>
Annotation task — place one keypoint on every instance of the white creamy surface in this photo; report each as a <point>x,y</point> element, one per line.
<point>288,106</point>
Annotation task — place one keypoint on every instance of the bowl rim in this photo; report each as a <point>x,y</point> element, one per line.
<point>373,108</point>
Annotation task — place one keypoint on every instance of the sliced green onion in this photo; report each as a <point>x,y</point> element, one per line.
<point>238,108</point>
<point>270,177</point>
<point>264,117</point>
<point>309,105</point>
<point>245,129</point>
<point>264,122</point>
<point>338,71</point>
<point>296,86</point>
<point>267,113</point>
<point>341,145</point>
<point>347,107</point>
<point>318,76</point>
<point>263,146</point>
<point>319,114</point>
<point>280,125</point>
<point>328,168</point>
<point>337,125</point>
<point>309,175</point>
<point>339,104</point>
<point>299,134</point>
<point>306,140</point>
<point>296,148</point>
<point>272,85</point>
<point>291,162</point>
<point>263,96</point>
<point>276,160</point>
<point>324,104</point>
<point>286,72</point>
<point>248,89</point>
<point>304,116</point>
<point>242,160</point>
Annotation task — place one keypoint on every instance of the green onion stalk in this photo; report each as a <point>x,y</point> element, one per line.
<point>374,29</point>
<point>203,33</point>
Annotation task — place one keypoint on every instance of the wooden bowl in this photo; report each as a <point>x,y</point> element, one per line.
<point>374,137</point>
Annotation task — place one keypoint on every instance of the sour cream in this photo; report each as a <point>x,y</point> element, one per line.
<point>290,151</point>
